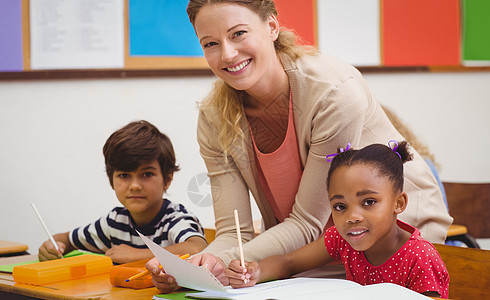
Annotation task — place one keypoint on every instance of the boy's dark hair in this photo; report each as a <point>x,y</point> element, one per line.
<point>135,144</point>
<point>381,157</point>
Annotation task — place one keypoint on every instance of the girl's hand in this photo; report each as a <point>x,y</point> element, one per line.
<point>163,282</point>
<point>47,251</point>
<point>214,264</point>
<point>243,277</point>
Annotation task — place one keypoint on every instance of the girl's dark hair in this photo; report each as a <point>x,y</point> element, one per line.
<point>138,143</point>
<point>381,157</point>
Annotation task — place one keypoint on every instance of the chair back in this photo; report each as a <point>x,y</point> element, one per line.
<point>469,205</point>
<point>209,234</point>
<point>469,271</point>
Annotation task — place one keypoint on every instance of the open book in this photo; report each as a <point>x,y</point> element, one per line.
<point>199,278</point>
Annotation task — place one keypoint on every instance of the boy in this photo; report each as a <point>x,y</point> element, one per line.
<point>140,163</point>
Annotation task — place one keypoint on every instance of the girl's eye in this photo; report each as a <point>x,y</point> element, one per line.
<point>148,174</point>
<point>339,207</point>
<point>369,202</point>
<point>239,33</point>
<point>122,175</point>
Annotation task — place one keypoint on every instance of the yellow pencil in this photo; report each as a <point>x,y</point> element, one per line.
<point>148,272</point>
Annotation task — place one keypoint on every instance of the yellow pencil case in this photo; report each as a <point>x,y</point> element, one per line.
<point>62,269</point>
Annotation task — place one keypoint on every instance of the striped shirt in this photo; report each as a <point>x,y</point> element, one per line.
<point>173,224</point>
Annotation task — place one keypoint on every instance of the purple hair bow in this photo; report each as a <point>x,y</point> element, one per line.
<point>394,147</point>
<point>330,157</point>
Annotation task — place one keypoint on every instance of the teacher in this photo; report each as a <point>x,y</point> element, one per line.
<point>275,112</point>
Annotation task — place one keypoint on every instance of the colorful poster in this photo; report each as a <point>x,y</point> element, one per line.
<point>349,30</point>
<point>161,28</point>
<point>299,17</point>
<point>11,55</point>
<point>420,32</point>
<point>476,32</point>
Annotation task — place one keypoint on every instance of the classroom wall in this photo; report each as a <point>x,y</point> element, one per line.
<point>52,133</point>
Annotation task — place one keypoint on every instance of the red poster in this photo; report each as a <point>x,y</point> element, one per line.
<point>420,32</point>
<point>299,16</point>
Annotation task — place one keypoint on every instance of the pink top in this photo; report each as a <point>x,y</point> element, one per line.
<point>416,265</point>
<point>280,171</point>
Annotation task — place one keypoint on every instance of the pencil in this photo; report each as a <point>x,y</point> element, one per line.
<point>239,237</point>
<point>46,229</point>
<point>144,273</point>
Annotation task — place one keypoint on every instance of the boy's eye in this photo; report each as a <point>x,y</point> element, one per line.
<point>122,175</point>
<point>369,202</point>
<point>339,207</point>
<point>148,174</point>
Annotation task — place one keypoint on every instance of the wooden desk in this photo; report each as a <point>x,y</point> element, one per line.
<point>94,287</point>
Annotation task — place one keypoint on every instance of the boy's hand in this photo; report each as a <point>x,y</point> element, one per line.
<point>242,277</point>
<point>214,264</point>
<point>122,254</point>
<point>47,251</point>
<point>163,282</point>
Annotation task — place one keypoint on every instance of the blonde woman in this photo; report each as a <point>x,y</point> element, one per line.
<point>275,112</point>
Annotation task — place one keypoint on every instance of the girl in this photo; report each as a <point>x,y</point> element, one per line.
<point>366,195</point>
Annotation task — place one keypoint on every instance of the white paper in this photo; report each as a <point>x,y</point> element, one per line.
<point>75,34</point>
<point>317,288</point>
<point>293,287</point>
<point>186,274</point>
<point>350,30</point>
<point>380,291</point>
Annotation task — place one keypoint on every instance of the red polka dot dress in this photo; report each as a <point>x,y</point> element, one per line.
<point>416,265</point>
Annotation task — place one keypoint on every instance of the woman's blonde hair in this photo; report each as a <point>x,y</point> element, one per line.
<point>223,105</point>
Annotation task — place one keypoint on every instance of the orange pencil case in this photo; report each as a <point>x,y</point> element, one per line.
<point>120,273</point>
<point>62,269</point>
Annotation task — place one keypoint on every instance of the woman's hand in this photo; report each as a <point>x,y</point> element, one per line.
<point>214,264</point>
<point>163,282</point>
<point>242,277</point>
<point>166,283</point>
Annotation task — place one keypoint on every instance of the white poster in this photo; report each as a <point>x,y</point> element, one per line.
<point>77,34</point>
<point>350,30</point>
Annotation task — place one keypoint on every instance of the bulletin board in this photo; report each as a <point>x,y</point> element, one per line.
<point>158,40</point>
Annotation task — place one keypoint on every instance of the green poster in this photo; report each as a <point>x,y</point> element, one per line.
<point>476,31</point>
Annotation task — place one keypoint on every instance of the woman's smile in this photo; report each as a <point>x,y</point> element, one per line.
<point>239,67</point>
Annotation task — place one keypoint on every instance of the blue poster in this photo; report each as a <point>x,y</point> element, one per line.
<point>161,28</point>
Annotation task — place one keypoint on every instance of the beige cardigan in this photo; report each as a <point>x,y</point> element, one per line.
<point>332,106</point>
